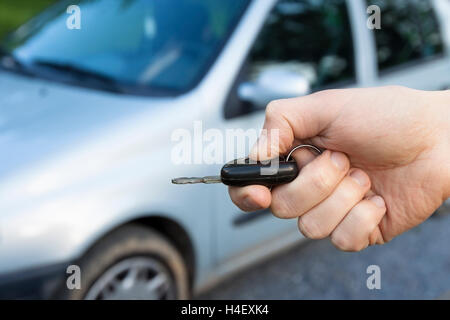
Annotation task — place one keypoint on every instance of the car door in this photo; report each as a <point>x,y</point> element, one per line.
<point>309,41</point>
<point>411,44</point>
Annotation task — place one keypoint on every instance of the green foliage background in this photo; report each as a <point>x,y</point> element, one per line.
<point>15,12</point>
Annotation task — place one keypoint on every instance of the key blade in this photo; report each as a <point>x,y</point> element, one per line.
<point>184,180</point>
<point>212,179</point>
<point>207,180</point>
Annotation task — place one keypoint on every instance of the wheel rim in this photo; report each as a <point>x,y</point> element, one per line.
<point>137,278</point>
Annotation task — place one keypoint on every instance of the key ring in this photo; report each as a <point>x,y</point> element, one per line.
<point>310,146</point>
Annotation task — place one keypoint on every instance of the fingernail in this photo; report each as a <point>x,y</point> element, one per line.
<point>339,159</point>
<point>379,201</point>
<point>359,177</point>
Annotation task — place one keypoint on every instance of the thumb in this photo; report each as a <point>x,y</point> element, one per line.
<point>288,120</point>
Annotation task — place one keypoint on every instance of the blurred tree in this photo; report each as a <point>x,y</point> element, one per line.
<point>13,13</point>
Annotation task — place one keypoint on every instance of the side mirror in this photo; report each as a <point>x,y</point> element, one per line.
<point>273,83</point>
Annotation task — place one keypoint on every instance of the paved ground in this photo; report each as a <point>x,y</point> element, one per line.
<point>414,266</point>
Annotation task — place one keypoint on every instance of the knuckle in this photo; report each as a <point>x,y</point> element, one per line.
<point>285,143</point>
<point>350,195</point>
<point>352,191</point>
<point>277,211</point>
<point>367,217</point>
<point>284,206</point>
<point>322,182</point>
<point>309,228</point>
<point>273,108</point>
<point>323,96</point>
<point>280,209</point>
<point>345,242</point>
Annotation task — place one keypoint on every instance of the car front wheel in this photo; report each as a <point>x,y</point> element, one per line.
<point>133,262</point>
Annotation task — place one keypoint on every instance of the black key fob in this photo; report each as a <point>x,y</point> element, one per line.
<point>243,172</point>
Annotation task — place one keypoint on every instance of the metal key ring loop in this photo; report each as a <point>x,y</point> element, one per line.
<point>310,146</point>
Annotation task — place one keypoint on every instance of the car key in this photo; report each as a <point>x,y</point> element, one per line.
<point>243,172</point>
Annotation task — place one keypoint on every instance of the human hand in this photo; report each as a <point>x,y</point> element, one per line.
<point>386,168</point>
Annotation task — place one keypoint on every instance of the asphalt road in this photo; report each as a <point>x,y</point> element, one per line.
<point>415,265</point>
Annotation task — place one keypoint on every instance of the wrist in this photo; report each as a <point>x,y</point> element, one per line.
<point>438,105</point>
<point>444,98</point>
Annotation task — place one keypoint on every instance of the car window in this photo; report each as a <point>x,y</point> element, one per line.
<point>310,37</point>
<point>409,32</point>
<point>140,45</point>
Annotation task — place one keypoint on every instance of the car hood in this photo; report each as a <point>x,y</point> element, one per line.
<point>39,118</point>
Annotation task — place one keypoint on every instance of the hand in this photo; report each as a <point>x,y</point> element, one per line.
<point>386,168</point>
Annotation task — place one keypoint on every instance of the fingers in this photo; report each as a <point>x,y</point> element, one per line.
<point>321,221</point>
<point>334,207</point>
<point>316,182</point>
<point>253,198</point>
<point>289,119</point>
<point>359,228</point>
<point>250,198</point>
<point>303,156</point>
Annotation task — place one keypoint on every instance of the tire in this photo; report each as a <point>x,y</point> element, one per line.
<point>147,254</point>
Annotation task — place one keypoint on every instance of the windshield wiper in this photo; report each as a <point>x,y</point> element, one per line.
<point>106,82</point>
<point>10,62</point>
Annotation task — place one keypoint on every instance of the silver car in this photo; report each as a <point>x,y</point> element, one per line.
<point>88,108</point>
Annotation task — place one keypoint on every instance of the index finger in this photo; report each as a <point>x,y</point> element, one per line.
<point>256,197</point>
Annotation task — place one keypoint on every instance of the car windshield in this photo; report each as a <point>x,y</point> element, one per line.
<point>141,45</point>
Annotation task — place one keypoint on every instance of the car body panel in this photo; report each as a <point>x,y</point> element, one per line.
<point>90,185</point>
